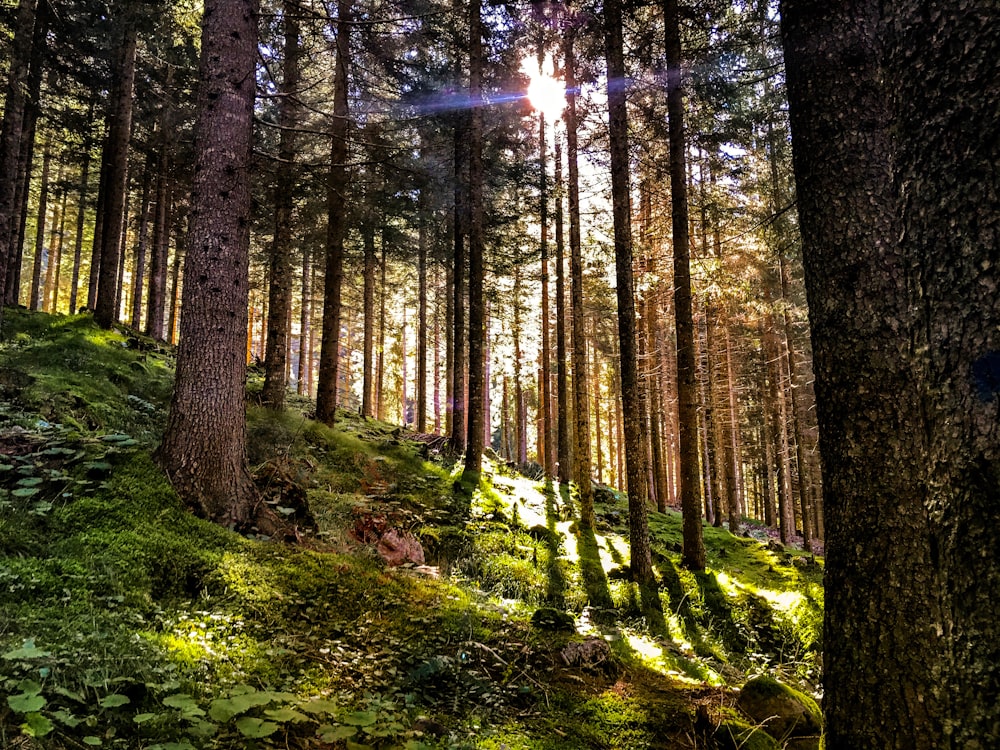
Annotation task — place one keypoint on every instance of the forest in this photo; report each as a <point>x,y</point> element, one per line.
<point>440,374</point>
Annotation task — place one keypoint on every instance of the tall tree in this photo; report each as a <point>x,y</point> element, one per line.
<point>694,545</point>
<point>119,134</point>
<point>279,320</point>
<point>894,114</point>
<point>10,138</point>
<point>478,386</point>
<point>336,228</point>
<point>581,446</point>
<point>204,447</point>
<point>635,433</point>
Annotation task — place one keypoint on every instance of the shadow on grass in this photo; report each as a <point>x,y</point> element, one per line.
<point>556,577</point>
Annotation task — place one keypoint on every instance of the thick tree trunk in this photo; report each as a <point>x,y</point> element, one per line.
<point>120,131</point>
<point>329,356</point>
<point>204,447</point>
<point>896,140</point>
<point>280,270</point>
<point>10,139</point>
<point>687,392</point>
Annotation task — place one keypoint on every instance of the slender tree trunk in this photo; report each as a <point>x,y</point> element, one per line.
<point>380,369</point>
<point>305,324</point>
<point>329,357</point>
<point>156,298</point>
<point>478,386</point>
<point>520,409</point>
<point>204,447</point>
<point>693,556</point>
<point>421,389</point>
<point>367,379</point>
<point>138,277</point>
<point>175,286</point>
<point>581,407</point>
<point>280,271</point>
<point>459,298</point>
<point>35,302</point>
<point>546,436</point>
<point>51,301</point>
<point>564,454</point>
<point>81,216</point>
<point>120,131</point>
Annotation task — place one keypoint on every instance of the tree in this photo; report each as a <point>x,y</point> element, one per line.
<point>478,386</point>
<point>280,278</point>
<point>329,357</point>
<point>204,447</point>
<point>635,434</point>
<point>687,392</point>
<point>10,139</point>
<point>895,138</point>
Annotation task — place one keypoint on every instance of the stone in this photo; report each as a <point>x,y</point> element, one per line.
<point>785,713</point>
<point>399,547</point>
<point>590,653</point>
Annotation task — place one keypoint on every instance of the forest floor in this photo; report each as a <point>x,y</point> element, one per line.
<point>125,622</point>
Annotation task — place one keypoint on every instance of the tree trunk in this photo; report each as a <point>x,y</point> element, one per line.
<point>420,405</point>
<point>10,139</point>
<point>138,277</point>
<point>81,216</point>
<point>51,300</point>
<point>329,357</point>
<point>119,134</point>
<point>478,387</point>
<point>546,435</point>
<point>693,556</point>
<point>564,452</point>
<point>520,410</point>
<point>635,434</point>
<point>581,468</point>
<point>204,447</point>
<point>380,365</point>
<point>367,374</point>
<point>280,271</point>
<point>35,300</point>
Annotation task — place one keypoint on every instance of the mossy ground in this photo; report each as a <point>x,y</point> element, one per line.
<point>126,622</point>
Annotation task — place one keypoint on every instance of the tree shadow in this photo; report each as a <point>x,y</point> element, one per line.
<point>556,577</point>
<point>595,581</point>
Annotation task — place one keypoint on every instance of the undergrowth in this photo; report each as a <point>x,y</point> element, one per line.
<point>125,622</point>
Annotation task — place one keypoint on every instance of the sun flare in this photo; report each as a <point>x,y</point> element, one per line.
<point>546,93</point>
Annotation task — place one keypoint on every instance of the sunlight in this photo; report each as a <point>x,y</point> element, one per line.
<point>546,93</point>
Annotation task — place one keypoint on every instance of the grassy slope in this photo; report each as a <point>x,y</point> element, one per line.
<point>125,622</point>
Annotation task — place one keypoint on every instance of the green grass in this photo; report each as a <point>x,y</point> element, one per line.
<point>125,620</point>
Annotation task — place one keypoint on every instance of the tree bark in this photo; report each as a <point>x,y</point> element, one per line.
<point>35,300</point>
<point>581,446</point>
<point>478,387</point>
<point>329,356</point>
<point>693,556</point>
<point>896,141</point>
<point>367,374</point>
<point>564,452</point>
<point>420,405</point>
<point>635,433</point>
<point>280,276</point>
<point>10,138</point>
<point>119,134</point>
<point>204,447</point>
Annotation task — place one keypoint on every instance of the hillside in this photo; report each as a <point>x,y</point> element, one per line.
<point>125,622</point>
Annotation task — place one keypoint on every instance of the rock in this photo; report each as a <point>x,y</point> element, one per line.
<point>590,653</point>
<point>549,618</point>
<point>398,547</point>
<point>785,713</point>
